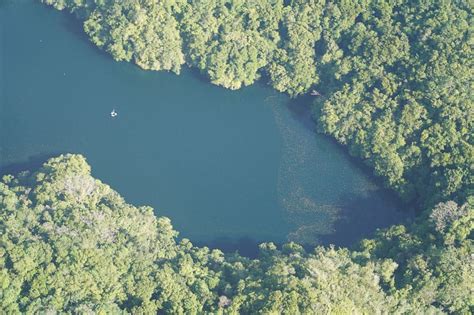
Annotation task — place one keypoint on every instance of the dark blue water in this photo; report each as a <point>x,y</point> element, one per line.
<point>230,168</point>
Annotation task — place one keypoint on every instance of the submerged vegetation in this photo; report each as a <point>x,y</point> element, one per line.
<point>71,243</point>
<point>393,78</point>
<point>393,82</point>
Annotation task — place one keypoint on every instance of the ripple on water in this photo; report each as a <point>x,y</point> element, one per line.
<point>315,199</point>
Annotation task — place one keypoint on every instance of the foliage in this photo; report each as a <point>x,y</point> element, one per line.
<point>231,41</point>
<point>144,31</point>
<point>401,97</point>
<point>394,77</point>
<point>435,265</point>
<point>293,69</point>
<point>394,84</point>
<point>70,243</point>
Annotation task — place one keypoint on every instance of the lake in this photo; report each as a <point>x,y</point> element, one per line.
<point>230,168</point>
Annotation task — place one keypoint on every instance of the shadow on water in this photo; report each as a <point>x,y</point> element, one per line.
<point>300,109</point>
<point>245,246</point>
<point>201,76</point>
<point>359,219</point>
<point>33,163</point>
<point>74,26</point>
<point>355,210</point>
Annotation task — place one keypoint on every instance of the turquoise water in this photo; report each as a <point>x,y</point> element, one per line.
<point>230,168</point>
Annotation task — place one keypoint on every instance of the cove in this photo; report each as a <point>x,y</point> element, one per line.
<point>229,168</point>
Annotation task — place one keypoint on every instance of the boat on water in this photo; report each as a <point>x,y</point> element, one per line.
<point>113,113</point>
<point>315,93</point>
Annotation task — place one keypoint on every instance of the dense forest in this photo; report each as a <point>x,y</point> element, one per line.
<point>391,80</point>
<point>69,242</point>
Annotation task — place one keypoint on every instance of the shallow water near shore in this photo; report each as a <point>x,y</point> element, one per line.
<point>231,169</point>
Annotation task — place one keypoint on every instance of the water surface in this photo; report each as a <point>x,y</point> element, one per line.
<point>230,168</point>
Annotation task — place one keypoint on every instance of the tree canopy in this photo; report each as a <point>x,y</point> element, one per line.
<point>392,80</point>
<point>70,243</point>
<point>402,97</point>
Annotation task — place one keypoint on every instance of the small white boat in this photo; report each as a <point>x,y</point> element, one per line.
<point>315,93</point>
<point>113,113</point>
